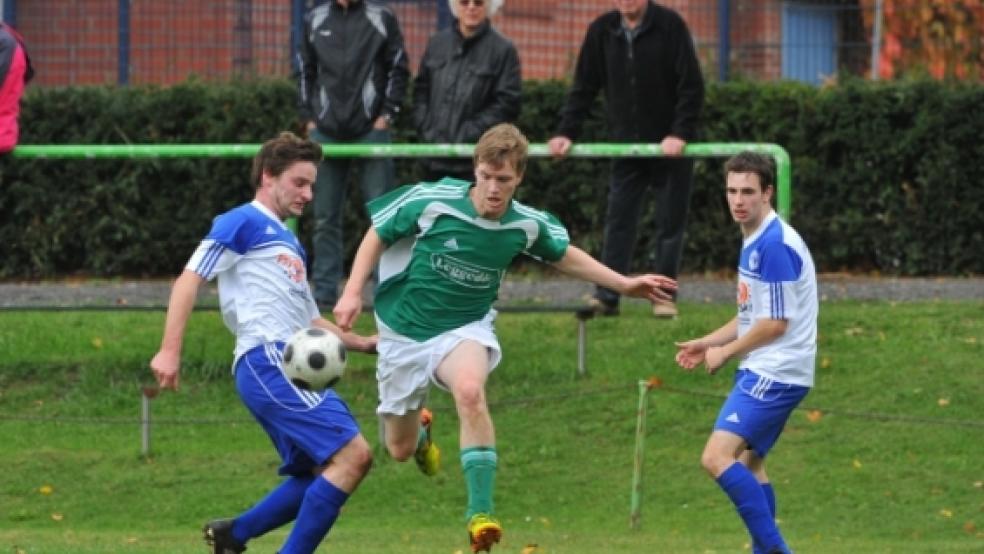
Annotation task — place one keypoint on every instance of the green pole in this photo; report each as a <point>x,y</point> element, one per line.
<point>585,150</point>
<point>635,512</point>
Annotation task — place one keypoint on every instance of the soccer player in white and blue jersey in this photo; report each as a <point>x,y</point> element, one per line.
<point>265,298</point>
<point>443,249</point>
<point>774,337</point>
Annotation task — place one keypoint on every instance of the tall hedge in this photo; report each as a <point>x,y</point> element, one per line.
<point>886,176</point>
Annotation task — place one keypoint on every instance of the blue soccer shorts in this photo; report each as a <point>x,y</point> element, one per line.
<point>307,428</point>
<point>757,409</point>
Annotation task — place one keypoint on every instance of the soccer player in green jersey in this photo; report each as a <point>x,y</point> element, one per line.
<point>443,249</point>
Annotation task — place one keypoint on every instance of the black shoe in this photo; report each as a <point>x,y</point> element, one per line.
<point>325,306</point>
<point>218,535</point>
<point>597,306</point>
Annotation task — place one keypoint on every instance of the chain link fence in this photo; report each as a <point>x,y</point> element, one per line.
<point>78,42</point>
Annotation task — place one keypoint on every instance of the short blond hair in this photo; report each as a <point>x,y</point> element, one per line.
<point>503,143</point>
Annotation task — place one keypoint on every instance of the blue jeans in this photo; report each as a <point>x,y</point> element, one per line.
<point>671,180</point>
<point>377,177</point>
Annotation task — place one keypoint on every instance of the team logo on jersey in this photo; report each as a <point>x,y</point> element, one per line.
<point>743,293</point>
<point>464,273</point>
<point>753,260</point>
<point>270,230</point>
<point>451,244</point>
<point>293,267</point>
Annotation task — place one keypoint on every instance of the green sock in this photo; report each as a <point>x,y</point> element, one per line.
<point>421,437</point>
<point>479,464</point>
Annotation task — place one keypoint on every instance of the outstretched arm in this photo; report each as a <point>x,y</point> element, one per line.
<point>167,362</point>
<point>578,263</point>
<point>352,341</point>
<point>349,305</point>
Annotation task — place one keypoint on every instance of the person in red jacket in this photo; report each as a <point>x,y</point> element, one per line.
<point>15,72</point>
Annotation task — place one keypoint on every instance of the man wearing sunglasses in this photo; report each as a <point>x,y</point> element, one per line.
<point>469,81</point>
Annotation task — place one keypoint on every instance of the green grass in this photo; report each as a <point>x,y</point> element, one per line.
<point>892,463</point>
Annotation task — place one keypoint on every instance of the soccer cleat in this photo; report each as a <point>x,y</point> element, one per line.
<point>428,455</point>
<point>483,532</point>
<point>597,306</point>
<point>218,536</point>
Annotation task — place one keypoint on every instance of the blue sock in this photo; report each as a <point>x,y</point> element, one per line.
<point>749,498</point>
<point>278,508</point>
<point>770,497</point>
<point>318,512</point>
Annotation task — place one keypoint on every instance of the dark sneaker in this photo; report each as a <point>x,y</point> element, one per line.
<point>218,536</point>
<point>596,306</point>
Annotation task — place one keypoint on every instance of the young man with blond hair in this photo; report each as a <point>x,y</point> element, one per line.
<point>443,249</point>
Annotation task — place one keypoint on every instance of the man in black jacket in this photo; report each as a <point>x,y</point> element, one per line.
<point>642,55</point>
<point>469,81</point>
<point>352,80</point>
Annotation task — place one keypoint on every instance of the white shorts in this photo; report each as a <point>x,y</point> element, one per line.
<point>405,368</point>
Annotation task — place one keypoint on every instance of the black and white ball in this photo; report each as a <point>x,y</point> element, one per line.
<point>314,359</point>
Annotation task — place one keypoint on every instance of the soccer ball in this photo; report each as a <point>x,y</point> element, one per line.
<point>314,359</point>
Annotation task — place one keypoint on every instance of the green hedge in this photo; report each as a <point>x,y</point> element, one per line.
<point>886,176</point>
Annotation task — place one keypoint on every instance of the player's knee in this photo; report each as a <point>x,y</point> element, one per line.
<point>470,396</point>
<point>400,451</point>
<point>714,463</point>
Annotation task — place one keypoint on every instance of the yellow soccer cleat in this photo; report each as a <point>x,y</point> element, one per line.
<point>428,455</point>
<point>483,532</point>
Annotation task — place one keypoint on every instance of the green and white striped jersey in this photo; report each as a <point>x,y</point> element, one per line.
<point>443,263</point>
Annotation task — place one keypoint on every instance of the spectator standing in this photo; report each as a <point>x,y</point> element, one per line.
<point>15,72</point>
<point>469,80</point>
<point>352,80</point>
<point>642,55</point>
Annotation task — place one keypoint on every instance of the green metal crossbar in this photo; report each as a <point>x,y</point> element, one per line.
<point>579,150</point>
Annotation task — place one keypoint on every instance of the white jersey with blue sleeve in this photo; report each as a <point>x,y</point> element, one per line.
<point>263,290</point>
<point>777,280</point>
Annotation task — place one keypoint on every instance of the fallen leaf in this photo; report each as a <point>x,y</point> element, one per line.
<point>97,342</point>
<point>545,522</point>
<point>979,484</point>
<point>969,527</point>
<point>530,549</point>
<point>881,335</point>
<point>46,489</point>
<point>57,516</point>
<point>946,513</point>
<point>132,540</point>
<point>814,416</point>
<point>853,331</point>
<point>971,340</point>
<point>824,362</point>
<point>654,383</point>
<point>856,463</point>
<point>943,402</point>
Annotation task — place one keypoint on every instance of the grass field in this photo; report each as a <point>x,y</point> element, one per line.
<point>885,455</point>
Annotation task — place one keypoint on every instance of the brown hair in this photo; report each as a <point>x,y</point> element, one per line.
<point>503,143</point>
<point>753,162</point>
<point>277,154</point>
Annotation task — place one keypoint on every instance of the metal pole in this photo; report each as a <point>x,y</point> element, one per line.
<point>635,513</point>
<point>584,150</point>
<point>876,40</point>
<point>582,339</point>
<point>123,43</point>
<point>724,39</point>
<point>144,424</point>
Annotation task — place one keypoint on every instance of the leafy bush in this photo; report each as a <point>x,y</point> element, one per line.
<point>885,174</point>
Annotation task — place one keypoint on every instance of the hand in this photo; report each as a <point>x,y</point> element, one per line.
<point>651,286</point>
<point>714,358</point>
<point>690,354</point>
<point>381,124</point>
<point>673,146</point>
<point>166,365</point>
<point>559,146</point>
<point>347,310</point>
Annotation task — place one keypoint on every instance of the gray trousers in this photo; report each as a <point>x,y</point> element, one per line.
<point>377,177</point>
<point>670,180</point>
